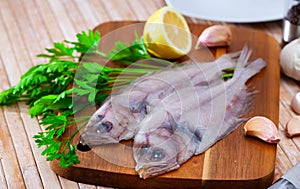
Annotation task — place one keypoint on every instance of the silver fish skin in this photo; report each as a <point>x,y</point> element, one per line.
<point>173,132</point>
<point>117,118</point>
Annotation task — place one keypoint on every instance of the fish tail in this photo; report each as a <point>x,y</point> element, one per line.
<point>245,54</point>
<point>247,101</point>
<point>242,74</point>
<point>240,105</point>
<point>243,104</point>
<point>234,56</point>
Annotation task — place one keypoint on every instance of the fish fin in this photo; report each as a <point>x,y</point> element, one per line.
<point>173,123</point>
<point>244,105</point>
<point>243,102</point>
<point>242,74</point>
<point>247,100</point>
<point>125,79</point>
<point>242,61</point>
<point>139,107</point>
<point>199,132</point>
<point>170,123</point>
<point>120,86</point>
<point>229,57</point>
<point>122,83</point>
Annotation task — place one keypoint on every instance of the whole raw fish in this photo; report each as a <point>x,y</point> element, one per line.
<point>187,124</point>
<point>117,118</point>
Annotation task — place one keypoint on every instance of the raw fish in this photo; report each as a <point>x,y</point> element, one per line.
<point>117,119</point>
<point>190,121</point>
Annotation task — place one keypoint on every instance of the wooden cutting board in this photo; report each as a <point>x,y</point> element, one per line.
<point>234,162</point>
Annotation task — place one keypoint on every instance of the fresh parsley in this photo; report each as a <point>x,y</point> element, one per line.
<point>52,89</point>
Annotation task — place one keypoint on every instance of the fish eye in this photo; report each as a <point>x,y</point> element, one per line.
<point>144,149</point>
<point>104,127</point>
<point>157,155</point>
<point>99,117</point>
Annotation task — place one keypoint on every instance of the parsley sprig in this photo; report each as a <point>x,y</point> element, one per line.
<point>68,83</point>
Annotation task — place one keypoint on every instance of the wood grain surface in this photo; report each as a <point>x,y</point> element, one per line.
<point>29,26</point>
<point>234,162</point>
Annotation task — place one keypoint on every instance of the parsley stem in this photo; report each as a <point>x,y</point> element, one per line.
<point>128,71</point>
<point>228,69</point>
<point>80,127</point>
<point>122,77</point>
<point>23,98</point>
<point>100,53</point>
<point>149,65</point>
<point>227,75</point>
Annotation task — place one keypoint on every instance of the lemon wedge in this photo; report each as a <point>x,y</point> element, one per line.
<point>166,34</point>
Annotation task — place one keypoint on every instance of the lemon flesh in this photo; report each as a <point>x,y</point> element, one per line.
<point>166,34</point>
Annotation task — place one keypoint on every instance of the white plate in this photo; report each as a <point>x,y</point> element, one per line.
<point>238,11</point>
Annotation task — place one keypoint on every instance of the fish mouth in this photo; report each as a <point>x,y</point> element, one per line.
<point>88,141</point>
<point>154,170</point>
<point>82,146</point>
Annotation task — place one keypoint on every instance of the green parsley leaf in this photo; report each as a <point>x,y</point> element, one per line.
<point>67,84</point>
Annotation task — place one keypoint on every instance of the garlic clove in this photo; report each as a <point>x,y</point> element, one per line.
<point>293,127</point>
<point>213,36</point>
<point>262,128</point>
<point>295,104</point>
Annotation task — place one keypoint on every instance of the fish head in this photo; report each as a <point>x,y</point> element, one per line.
<point>155,153</point>
<point>104,127</point>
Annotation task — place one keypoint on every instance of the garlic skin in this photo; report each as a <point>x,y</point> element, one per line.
<point>262,128</point>
<point>215,36</point>
<point>295,104</point>
<point>293,127</point>
<point>290,59</point>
